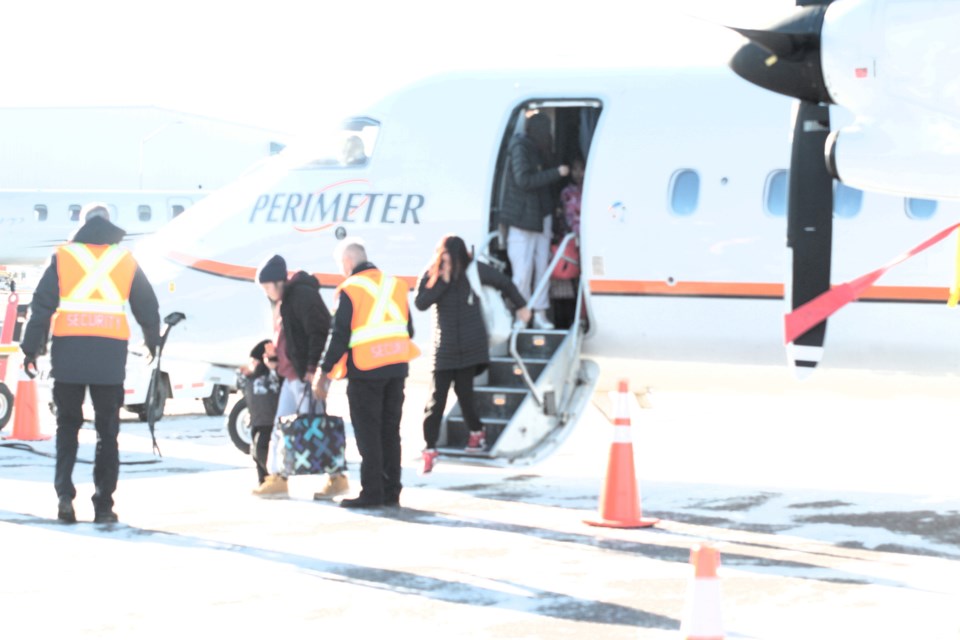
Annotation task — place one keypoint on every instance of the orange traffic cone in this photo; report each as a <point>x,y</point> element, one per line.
<point>701,618</point>
<point>620,498</point>
<point>26,419</point>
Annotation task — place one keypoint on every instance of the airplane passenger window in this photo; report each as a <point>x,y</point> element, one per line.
<point>40,211</point>
<point>920,209</point>
<point>176,210</point>
<point>684,192</point>
<point>75,212</point>
<point>775,194</point>
<point>847,201</point>
<point>144,213</point>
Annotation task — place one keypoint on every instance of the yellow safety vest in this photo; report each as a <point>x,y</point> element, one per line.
<point>378,329</point>
<point>95,281</point>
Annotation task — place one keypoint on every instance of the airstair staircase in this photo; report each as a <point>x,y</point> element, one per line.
<point>532,394</point>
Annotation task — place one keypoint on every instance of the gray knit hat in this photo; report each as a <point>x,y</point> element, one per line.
<point>273,270</point>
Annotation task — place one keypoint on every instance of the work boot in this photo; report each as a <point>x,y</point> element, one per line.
<point>540,321</point>
<point>337,484</point>
<point>476,442</point>
<point>105,517</point>
<point>362,502</point>
<point>275,486</point>
<point>65,512</point>
<point>428,461</point>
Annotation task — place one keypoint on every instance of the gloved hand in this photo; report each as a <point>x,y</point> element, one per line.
<point>30,365</point>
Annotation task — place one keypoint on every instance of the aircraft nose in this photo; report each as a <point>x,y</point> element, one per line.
<point>785,58</point>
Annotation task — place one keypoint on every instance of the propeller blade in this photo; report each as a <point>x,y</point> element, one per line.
<point>785,58</point>
<point>809,226</point>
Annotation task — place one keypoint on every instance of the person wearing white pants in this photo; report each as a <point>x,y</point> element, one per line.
<point>529,253</point>
<point>528,205</point>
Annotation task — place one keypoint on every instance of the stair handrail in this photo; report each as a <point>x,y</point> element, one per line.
<point>514,353</point>
<point>541,284</point>
<point>544,280</point>
<point>484,251</point>
<point>558,255</point>
<point>573,345</point>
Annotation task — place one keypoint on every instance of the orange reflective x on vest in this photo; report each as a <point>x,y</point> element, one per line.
<point>95,281</point>
<point>379,335</point>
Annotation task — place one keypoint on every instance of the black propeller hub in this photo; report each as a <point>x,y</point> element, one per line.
<point>786,57</point>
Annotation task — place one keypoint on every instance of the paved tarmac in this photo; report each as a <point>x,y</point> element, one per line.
<point>829,546</point>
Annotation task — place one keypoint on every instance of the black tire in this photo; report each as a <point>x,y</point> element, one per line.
<point>6,405</point>
<point>217,401</point>
<point>156,402</point>
<point>238,426</point>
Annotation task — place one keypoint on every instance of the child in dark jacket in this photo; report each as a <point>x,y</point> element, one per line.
<point>261,390</point>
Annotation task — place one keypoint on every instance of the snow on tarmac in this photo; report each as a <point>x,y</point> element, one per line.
<point>837,515</point>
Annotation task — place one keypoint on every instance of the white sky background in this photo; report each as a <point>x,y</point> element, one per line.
<point>287,63</point>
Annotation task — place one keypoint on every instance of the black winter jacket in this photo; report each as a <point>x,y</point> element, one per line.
<point>459,334</point>
<point>261,390</point>
<point>306,322</point>
<point>529,195</point>
<point>89,359</point>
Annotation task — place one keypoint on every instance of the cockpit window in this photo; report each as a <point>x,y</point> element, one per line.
<point>351,146</point>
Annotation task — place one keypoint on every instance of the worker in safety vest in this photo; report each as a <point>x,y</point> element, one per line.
<point>370,345</point>
<point>81,300</point>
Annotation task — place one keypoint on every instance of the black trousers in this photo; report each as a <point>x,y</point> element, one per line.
<point>259,448</point>
<point>462,380</point>
<point>107,399</point>
<point>376,406</point>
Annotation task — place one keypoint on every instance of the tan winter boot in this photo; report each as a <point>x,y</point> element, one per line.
<point>337,484</point>
<point>274,486</point>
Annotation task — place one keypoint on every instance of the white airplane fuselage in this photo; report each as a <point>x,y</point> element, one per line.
<point>683,258</point>
<point>34,222</point>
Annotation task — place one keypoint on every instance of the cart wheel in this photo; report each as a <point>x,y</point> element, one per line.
<point>238,426</point>
<point>6,405</point>
<point>216,403</point>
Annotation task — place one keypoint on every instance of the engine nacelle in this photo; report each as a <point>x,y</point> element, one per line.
<point>877,54</point>
<point>916,155</point>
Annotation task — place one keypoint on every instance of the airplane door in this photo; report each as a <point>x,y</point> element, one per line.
<point>549,380</point>
<point>573,124</point>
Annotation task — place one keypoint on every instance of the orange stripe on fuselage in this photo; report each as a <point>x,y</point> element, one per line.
<point>751,290</point>
<point>239,272</point>
<point>692,289</point>
<point>695,289</point>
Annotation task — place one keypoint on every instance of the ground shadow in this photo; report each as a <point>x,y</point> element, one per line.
<point>533,600</point>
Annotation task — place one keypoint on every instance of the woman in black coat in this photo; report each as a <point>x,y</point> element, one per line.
<point>461,348</point>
